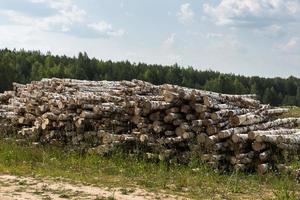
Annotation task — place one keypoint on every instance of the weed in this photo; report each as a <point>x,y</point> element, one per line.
<point>22,182</point>
<point>126,191</point>
<point>46,198</point>
<point>65,196</point>
<point>105,198</point>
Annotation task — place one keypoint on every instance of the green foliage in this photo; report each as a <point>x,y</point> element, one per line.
<point>25,66</point>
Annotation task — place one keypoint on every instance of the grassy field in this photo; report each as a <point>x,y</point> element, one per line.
<point>194,181</point>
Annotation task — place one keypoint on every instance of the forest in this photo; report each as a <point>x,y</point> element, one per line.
<point>25,66</point>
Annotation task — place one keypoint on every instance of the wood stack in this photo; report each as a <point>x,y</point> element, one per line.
<point>166,122</point>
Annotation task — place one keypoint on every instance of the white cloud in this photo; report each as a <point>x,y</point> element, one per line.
<point>193,33</point>
<point>105,28</point>
<point>169,42</point>
<point>122,4</point>
<point>169,50</point>
<point>101,26</point>
<point>249,12</point>
<point>213,35</point>
<point>24,37</point>
<point>291,46</point>
<point>232,44</point>
<point>128,14</point>
<point>269,31</point>
<point>54,22</point>
<point>186,14</point>
<point>293,7</point>
<point>207,35</point>
<point>67,14</point>
<point>55,4</point>
<point>66,9</point>
<point>174,58</point>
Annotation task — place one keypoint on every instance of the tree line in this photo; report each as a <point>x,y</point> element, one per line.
<point>24,66</point>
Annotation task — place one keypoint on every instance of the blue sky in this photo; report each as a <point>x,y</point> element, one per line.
<point>249,37</point>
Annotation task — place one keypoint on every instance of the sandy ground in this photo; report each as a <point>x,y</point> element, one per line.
<point>15,187</point>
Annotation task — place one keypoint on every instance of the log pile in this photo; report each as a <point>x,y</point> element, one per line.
<point>166,122</point>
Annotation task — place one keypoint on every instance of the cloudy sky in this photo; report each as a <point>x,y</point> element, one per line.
<point>250,37</point>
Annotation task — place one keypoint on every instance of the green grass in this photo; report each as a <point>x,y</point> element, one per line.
<point>127,172</point>
<point>293,112</point>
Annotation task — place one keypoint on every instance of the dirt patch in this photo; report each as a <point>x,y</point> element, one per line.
<point>30,188</point>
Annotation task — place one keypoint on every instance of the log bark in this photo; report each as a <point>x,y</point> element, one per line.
<point>275,111</point>
<point>239,130</point>
<point>264,156</point>
<point>239,138</point>
<point>169,118</point>
<point>253,134</point>
<point>263,168</point>
<point>247,119</point>
<point>289,139</point>
<point>258,146</point>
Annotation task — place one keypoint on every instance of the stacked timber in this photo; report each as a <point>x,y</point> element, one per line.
<point>166,122</point>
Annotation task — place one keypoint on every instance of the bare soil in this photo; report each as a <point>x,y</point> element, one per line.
<point>35,188</point>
